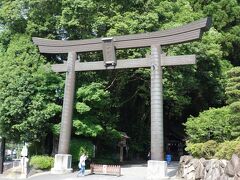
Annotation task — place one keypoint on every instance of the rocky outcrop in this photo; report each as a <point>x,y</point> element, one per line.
<point>201,169</point>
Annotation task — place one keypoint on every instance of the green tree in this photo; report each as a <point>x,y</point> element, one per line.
<point>94,112</point>
<point>27,92</point>
<point>225,14</point>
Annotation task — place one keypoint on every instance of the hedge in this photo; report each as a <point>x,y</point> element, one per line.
<point>41,162</point>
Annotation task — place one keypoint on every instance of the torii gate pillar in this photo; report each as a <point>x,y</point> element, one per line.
<point>63,160</point>
<point>156,105</point>
<point>157,167</point>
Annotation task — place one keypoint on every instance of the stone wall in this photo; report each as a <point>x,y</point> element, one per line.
<point>201,169</point>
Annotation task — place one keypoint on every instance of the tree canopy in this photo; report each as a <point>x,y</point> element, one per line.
<point>27,92</point>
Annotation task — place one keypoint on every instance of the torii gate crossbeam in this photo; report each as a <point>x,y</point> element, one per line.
<point>156,61</point>
<point>189,32</point>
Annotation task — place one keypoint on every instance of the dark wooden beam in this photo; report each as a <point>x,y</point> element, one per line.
<point>189,32</point>
<point>129,63</point>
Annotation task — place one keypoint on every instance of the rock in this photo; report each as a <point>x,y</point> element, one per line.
<point>233,166</point>
<point>222,166</point>
<point>236,178</point>
<point>229,170</point>
<point>202,169</point>
<point>235,162</point>
<point>212,170</point>
<point>187,170</point>
<point>223,177</point>
<point>216,174</point>
<point>194,162</point>
<point>199,170</point>
<point>185,159</point>
<point>208,165</point>
<point>205,163</point>
<point>183,166</point>
<point>223,163</point>
<point>202,160</point>
<point>190,176</point>
<point>238,174</point>
<point>179,171</point>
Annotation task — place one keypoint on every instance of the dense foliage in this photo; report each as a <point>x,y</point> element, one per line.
<point>95,114</point>
<point>114,101</point>
<point>213,124</point>
<point>27,92</point>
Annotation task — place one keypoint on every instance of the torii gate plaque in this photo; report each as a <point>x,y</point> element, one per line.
<point>154,40</point>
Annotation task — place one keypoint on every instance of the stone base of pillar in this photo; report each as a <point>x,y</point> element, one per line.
<point>21,176</point>
<point>156,169</point>
<point>62,164</point>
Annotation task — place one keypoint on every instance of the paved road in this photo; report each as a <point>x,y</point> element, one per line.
<point>129,172</point>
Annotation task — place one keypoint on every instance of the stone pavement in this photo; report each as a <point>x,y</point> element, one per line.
<point>129,172</point>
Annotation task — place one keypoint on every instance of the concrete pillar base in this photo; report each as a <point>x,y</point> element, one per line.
<point>62,164</point>
<point>156,169</point>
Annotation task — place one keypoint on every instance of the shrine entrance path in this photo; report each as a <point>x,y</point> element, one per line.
<point>129,172</point>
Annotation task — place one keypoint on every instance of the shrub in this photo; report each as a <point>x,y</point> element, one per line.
<point>237,149</point>
<point>80,146</point>
<point>226,149</point>
<point>209,149</point>
<point>41,162</point>
<point>194,149</point>
<point>211,124</point>
<point>206,150</point>
<point>212,149</point>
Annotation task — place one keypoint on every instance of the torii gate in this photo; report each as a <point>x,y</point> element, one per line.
<point>155,40</point>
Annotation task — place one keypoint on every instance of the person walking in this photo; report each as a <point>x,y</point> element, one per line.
<point>82,165</point>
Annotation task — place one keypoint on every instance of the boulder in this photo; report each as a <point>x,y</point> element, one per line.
<point>216,174</point>
<point>238,174</point>
<point>223,163</point>
<point>187,170</point>
<point>199,170</point>
<point>223,177</point>
<point>190,176</point>
<point>229,170</point>
<point>202,169</point>
<point>183,166</point>
<point>236,177</point>
<point>185,159</point>
<point>233,167</point>
<point>235,161</point>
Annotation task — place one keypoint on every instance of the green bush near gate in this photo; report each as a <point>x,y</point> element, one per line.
<point>41,162</point>
<point>206,150</point>
<point>212,149</point>
<point>226,149</point>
